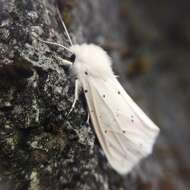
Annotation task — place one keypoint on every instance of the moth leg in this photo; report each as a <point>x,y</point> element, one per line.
<point>76,96</point>
<point>88,119</point>
<point>65,62</point>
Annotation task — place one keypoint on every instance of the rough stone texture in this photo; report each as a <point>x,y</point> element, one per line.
<point>41,148</point>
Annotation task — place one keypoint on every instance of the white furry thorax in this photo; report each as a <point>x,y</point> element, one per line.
<point>91,60</point>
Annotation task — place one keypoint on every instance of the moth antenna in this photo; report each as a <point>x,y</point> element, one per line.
<point>64,26</point>
<point>52,43</point>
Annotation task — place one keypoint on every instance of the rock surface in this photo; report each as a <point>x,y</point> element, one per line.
<point>41,148</point>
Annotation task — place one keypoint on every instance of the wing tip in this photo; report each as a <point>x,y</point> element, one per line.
<point>126,166</point>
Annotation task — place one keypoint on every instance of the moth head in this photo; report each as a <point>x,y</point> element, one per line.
<point>91,59</point>
<point>72,58</point>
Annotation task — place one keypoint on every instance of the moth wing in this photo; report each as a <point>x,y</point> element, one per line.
<point>125,133</point>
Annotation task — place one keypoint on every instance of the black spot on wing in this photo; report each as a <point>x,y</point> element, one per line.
<point>132,118</point>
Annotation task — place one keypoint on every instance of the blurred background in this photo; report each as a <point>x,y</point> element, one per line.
<point>149,42</point>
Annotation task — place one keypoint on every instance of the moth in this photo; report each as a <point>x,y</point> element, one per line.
<point>126,134</point>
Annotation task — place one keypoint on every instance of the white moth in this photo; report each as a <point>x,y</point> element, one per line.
<point>125,133</point>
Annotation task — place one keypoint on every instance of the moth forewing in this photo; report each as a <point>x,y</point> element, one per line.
<point>123,134</point>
